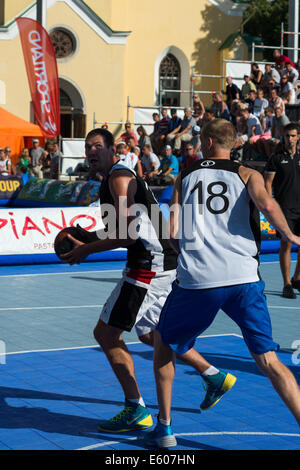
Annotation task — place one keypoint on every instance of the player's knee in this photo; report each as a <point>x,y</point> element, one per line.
<point>267,362</point>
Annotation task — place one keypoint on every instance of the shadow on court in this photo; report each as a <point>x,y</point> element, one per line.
<point>225,362</point>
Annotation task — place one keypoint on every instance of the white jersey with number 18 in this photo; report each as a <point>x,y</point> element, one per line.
<point>220,227</point>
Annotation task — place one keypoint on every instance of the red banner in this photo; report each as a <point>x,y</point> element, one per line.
<point>41,66</point>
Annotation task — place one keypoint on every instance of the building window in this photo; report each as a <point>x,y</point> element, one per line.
<point>169,79</point>
<point>63,41</point>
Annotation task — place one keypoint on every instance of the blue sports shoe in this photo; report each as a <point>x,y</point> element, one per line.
<point>162,437</point>
<point>216,386</point>
<point>132,418</point>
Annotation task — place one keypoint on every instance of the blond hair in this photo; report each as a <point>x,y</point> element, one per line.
<point>221,131</point>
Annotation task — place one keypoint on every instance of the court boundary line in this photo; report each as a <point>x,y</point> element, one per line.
<point>216,433</point>
<point>97,345</point>
<point>95,271</point>
<point>61,273</point>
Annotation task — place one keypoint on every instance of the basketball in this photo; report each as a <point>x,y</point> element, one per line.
<point>62,243</point>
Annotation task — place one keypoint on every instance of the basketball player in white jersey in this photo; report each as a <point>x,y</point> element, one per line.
<point>215,227</point>
<point>138,298</point>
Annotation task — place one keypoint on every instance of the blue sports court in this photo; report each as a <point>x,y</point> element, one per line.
<point>56,384</point>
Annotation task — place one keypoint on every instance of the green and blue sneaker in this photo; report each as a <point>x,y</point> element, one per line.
<point>216,386</point>
<point>133,417</point>
<point>161,437</point>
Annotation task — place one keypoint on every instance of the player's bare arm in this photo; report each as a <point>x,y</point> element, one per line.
<point>175,210</point>
<point>123,188</point>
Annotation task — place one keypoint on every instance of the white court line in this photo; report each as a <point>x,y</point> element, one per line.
<point>50,308</point>
<point>283,307</point>
<point>97,345</point>
<point>220,433</point>
<point>98,271</point>
<point>65,272</point>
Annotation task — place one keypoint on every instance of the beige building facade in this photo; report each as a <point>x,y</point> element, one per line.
<point>111,53</point>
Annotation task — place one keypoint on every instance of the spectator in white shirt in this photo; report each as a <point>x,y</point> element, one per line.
<point>260,104</point>
<point>150,163</point>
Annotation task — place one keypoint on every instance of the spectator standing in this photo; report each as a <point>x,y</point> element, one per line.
<point>256,74</point>
<point>247,87</point>
<point>7,152</point>
<point>183,133</point>
<point>154,135</point>
<point>36,153</point>
<point>5,164</point>
<point>282,178</point>
<point>54,163</point>
<point>24,161</point>
<point>159,137</point>
<point>232,92</point>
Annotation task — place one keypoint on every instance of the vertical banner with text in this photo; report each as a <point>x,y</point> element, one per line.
<point>41,67</point>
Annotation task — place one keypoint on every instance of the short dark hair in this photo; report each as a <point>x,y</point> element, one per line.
<point>292,126</point>
<point>107,136</point>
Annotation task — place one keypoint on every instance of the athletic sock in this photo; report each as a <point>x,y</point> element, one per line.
<point>210,371</point>
<point>164,422</point>
<point>137,401</point>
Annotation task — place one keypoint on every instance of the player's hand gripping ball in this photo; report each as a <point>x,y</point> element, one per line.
<point>63,244</point>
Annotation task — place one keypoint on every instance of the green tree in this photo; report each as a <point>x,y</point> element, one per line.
<point>266,22</point>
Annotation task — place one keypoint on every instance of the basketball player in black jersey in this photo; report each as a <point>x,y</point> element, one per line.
<point>139,296</point>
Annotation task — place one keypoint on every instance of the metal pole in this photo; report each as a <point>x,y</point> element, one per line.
<point>41,9</point>
<point>293,28</point>
<point>252,56</point>
<point>127,112</point>
<point>281,39</point>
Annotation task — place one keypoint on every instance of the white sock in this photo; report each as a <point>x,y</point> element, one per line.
<point>138,401</point>
<point>210,371</point>
<point>165,422</point>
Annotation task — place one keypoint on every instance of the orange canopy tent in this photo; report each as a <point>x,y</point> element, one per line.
<point>17,133</point>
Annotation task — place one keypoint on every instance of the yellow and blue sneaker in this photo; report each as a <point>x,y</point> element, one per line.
<point>216,386</point>
<point>133,417</point>
<point>161,437</point>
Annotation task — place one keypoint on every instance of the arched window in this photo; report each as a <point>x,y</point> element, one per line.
<point>169,79</point>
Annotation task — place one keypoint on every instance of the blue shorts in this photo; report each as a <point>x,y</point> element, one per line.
<point>187,313</point>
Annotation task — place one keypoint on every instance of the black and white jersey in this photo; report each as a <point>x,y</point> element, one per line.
<point>152,249</point>
<point>220,227</point>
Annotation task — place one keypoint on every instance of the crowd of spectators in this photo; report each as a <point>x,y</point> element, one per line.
<point>34,161</point>
<point>257,109</point>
